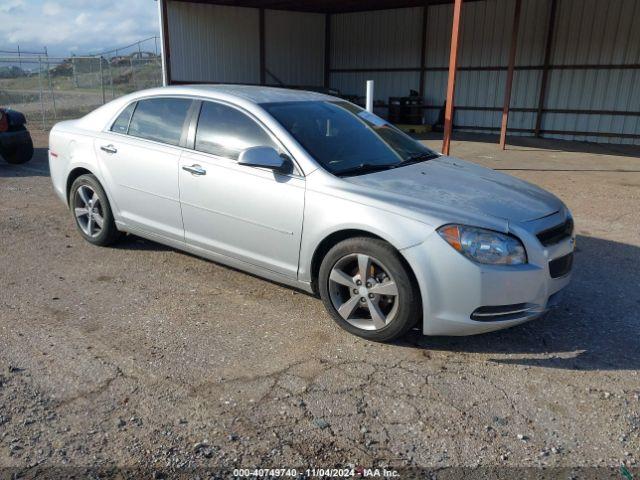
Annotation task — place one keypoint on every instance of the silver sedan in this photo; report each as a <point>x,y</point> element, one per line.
<point>311,191</point>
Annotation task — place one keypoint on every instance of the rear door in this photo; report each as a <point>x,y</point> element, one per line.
<point>246,213</point>
<point>139,159</point>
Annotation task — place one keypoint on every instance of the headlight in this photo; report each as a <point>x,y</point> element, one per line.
<point>484,246</point>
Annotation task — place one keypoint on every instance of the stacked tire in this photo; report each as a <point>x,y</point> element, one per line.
<point>16,145</point>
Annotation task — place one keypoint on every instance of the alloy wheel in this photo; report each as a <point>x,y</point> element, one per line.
<point>88,211</point>
<point>363,292</point>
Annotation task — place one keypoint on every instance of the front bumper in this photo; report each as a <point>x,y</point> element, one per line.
<point>453,287</point>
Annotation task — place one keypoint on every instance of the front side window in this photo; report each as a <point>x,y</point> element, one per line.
<point>160,119</point>
<point>225,131</point>
<point>346,139</point>
<point>121,125</point>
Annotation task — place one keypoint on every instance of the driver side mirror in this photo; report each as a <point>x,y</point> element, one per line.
<point>265,157</point>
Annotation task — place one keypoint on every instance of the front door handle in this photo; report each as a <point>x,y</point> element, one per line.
<point>109,149</point>
<point>195,170</point>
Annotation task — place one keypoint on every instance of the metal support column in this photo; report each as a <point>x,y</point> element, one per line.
<point>451,83</point>
<point>509,84</point>
<point>165,53</point>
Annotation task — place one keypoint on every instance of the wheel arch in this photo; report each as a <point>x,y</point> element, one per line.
<point>338,236</point>
<point>73,174</point>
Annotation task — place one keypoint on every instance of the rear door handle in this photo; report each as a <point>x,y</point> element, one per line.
<point>109,149</point>
<point>195,170</point>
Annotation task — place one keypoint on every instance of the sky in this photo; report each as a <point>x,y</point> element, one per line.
<point>76,26</point>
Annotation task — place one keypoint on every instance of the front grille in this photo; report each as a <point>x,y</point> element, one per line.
<point>556,234</point>
<point>500,312</point>
<point>561,266</point>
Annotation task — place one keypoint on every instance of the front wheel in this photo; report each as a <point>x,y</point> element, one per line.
<point>368,289</point>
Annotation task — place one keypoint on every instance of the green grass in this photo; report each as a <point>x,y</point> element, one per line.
<point>145,76</point>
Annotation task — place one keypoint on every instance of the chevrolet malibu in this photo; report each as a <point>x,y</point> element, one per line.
<point>311,191</point>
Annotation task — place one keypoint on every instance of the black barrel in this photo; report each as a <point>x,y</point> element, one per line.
<point>406,110</point>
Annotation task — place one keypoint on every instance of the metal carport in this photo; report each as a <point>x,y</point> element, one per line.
<point>567,69</point>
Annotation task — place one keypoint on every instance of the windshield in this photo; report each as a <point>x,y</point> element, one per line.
<point>346,139</point>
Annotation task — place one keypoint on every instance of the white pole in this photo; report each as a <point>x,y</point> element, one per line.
<point>370,96</point>
<point>162,39</point>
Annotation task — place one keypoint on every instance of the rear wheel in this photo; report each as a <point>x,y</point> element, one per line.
<point>368,290</point>
<point>92,212</point>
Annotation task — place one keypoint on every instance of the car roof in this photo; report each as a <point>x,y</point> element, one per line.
<point>251,93</point>
<point>246,96</point>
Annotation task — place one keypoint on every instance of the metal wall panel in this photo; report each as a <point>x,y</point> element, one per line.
<point>377,39</point>
<point>485,33</point>
<point>592,32</point>
<point>391,39</point>
<point>439,20</point>
<point>534,20</point>
<point>532,34</point>
<point>386,83</point>
<point>211,43</point>
<point>587,32</point>
<point>294,44</point>
<point>438,38</point>
<point>214,43</point>
<point>435,93</point>
<point>484,42</point>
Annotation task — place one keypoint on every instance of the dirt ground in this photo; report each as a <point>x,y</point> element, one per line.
<point>143,357</point>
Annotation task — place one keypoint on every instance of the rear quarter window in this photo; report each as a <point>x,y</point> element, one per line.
<point>121,125</point>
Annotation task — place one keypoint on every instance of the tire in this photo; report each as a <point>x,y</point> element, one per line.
<point>87,188</point>
<point>340,278</point>
<point>18,154</point>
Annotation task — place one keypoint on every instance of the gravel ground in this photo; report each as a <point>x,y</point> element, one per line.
<point>143,357</point>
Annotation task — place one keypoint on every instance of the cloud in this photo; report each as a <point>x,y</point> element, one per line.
<point>82,19</point>
<point>87,27</point>
<point>11,6</point>
<point>51,9</point>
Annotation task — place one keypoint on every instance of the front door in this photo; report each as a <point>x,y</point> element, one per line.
<point>246,213</point>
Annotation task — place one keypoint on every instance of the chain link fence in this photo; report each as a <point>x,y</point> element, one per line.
<point>49,89</point>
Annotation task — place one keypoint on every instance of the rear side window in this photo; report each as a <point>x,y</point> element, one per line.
<point>160,119</point>
<point>121,125</point>
<point>225,131</point>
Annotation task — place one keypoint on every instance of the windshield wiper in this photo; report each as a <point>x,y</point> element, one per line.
<point>363,169</point>
<point>417,158</point>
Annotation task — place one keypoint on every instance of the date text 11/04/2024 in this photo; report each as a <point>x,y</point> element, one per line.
<point>317,472</point>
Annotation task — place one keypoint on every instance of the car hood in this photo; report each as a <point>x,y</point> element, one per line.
<point>469,188</point>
